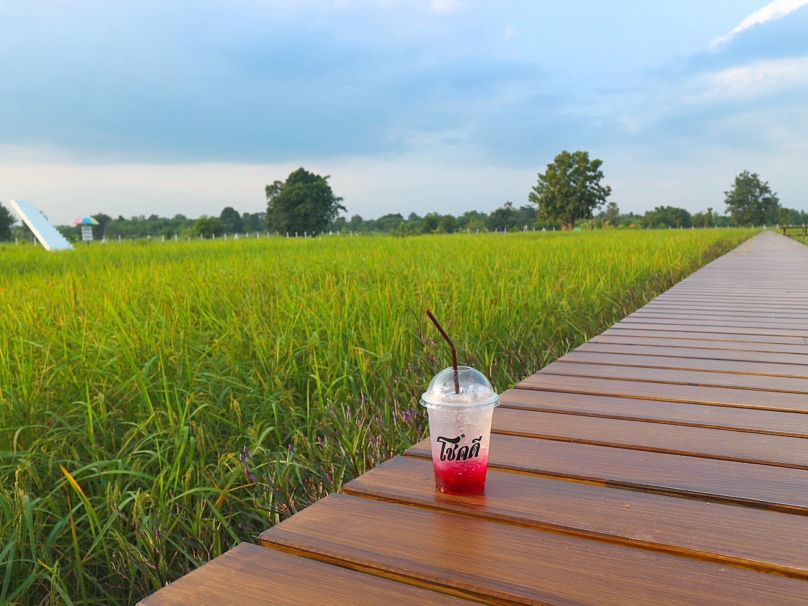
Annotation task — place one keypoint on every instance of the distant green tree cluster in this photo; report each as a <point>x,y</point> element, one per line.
<point>789,216</point>
<point>566,197</point>
<point>6,222</point>
<point>506,218</point>
<point>230,221</point>
<point>668,216</point>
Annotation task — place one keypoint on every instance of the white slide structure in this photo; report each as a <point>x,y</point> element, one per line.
<point>46,233</point>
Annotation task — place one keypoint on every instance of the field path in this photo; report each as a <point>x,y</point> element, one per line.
<point>665,461</point>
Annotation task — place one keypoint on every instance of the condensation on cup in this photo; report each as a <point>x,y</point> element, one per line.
<point>460,428</point>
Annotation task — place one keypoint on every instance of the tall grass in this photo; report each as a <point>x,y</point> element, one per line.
<point>161,403</point>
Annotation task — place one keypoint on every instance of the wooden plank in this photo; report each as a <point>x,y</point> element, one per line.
<point>744,537</point>
<point>792,326</point>
<point>703,318</point>
<point>760,486</point>
<point>651,339</point>
<point>509,565</point>
<point>703,335</point>
<point>682,377</point>
<point>695,353</point>
<point>707,308</point>
<point>744,291</point>
<point>249,574</point>
<point>702,442</point>
<point>715,396</point>
<point>738,303</point>
<point>784,303</point>
<point>781,297</point>
<point>652,411</point>
<point>679,363</point>
<point>724,282</point>
<point>687,313</point>
<point>740,330</point>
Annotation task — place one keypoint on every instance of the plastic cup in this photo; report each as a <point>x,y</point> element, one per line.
<point>460,429</point>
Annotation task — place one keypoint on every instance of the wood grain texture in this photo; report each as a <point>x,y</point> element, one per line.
<point>695,353</point>
<point>684,377</point>
<point>612,358</point>
<point>719,308</point>
<point>510,565</point>
<point>746,331</point>
<point>751,538</point>
<point>620,338</point>
<point>706,335</point>
<point>701,292</point>
<point>715,396</point>
<point>655,437</point>
<point>249,574</point>
<point>654,411</point>
<point>787,327</point>
<point>760,486</point>
<point>689,314</point>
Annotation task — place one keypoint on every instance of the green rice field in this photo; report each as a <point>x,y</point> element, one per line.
<point>160,403</point>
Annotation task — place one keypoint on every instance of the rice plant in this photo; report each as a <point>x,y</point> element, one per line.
<point>160,403</point>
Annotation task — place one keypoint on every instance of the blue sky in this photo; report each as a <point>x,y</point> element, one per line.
<point>410,105</point>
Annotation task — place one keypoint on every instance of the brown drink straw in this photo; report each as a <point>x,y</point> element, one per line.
<point>451,344</point>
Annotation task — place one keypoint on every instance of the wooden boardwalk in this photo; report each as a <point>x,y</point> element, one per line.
<point>663,462</point>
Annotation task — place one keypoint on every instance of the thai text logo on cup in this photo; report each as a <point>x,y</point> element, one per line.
<point>450,449</point>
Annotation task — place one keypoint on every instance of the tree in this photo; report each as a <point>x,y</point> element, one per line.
<point>231,220</point>
<point>570,189</point>
<point>6,221</point>
<point>208,227</point>
<point>473,220</point>
<point>668,216</point>
<point>303,203</point>
<point>612,213</point>
<point>502,218</point>
<point>356,223</point>
<point>253,222</point>
<point>789,216</point>
<point>447,224</point>
<point>751,201</point>
<point>430,223</point>
<point>99,231</point>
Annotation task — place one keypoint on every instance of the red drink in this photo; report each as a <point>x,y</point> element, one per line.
<point>460,428</point>
<point>461,477</point>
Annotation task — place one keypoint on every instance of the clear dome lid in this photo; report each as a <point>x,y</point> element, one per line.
<point>475,389</point>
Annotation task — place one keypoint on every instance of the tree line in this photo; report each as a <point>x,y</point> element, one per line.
<point>569,194</point>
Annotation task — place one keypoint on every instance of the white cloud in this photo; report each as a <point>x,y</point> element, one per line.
<point>774,10</point>
<point>752,80</point>
<point>445,6</point>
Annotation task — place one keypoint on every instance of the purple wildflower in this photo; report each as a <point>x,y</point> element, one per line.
<point>249,474</point>
<point>349,411</point>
